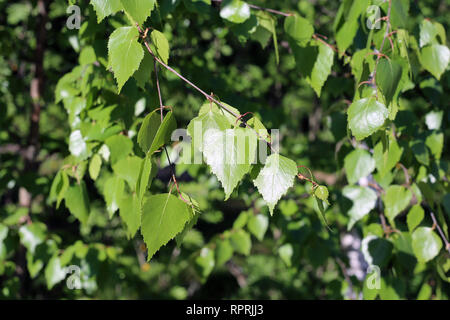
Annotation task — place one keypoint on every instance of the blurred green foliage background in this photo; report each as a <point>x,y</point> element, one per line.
<point>296,258</point>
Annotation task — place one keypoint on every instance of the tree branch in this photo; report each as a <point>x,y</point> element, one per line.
<point>281,13</point>
<point>435,223</point>
<point>207,96</point>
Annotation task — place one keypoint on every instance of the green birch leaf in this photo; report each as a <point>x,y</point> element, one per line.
<point>435,59</point>
<point>34,265</point>
<point>347,32</point>
<point>94,166</point>
<point>128,169</point>
<point>3,232</point>
<point>385,160</point>
<point>391,288</point>
<point>212,107</point>
<point>195,214</point>
<point>54,272</point>
<point>440,30</point>
<point>305,58</point>
<point>241,220</point>
<point>396,200</point>
<point>230,154</point>
<point>160,45</point>
<point>376,251</point>
<point>259,127</point>
<point>426,244</point>
<point>322,68</point>
<point>32,235</point>
<point>204,262</point>
<point>257,225</point>
<point>78,146</point>
<point>366,116</point>
<point>164,133</point>
<point>420,151</point>
<point>153,134</point>
<point>130,212</point>
<point>415,217</point>
<point>224,252</point>
<point>125,54</point>
<point>360,64</point>
<point>235,11</point>
<point>275,178</point>
<point>120,147</point>
<point>320,209</point>
<point>59,187</point>
<point>435,142</point>
<point>358,164</point>
<point>265,28</point>
<point>364,200</point>
<point>399,13</point>
<point>143,75</point>
<point>163,217</point>
<point>139,10</point>
<point>299,29</point>
<point>77,201</point>
<point>148,130</point>
<point>245,30</point>
<point>241,242</point>
<point>104,8</point>
<point>147,172</point>
<point>427,33</point>
<point>113,192</point>
<point>425,292</point>
<point>389,73</point>
<point>3,253</point>
<point>286,252</point>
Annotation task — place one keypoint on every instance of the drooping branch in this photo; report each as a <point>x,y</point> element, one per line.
<point>281,13</point>
<point>270,10</point>
<point>318,37</point>
<point>209,97</point>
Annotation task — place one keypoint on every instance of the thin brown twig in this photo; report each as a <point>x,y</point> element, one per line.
<point>386,227</point>
<point>242,116</point>
<point>441,233</point>
<point>271,10</point>
<point>378,54</point>
<point>405,172</point>
<point>281,13</point>
<point>302,177</point>
<point>318,37</point>
<point>342,266</point>
<point>161,107</point>
<point>370,82</point>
